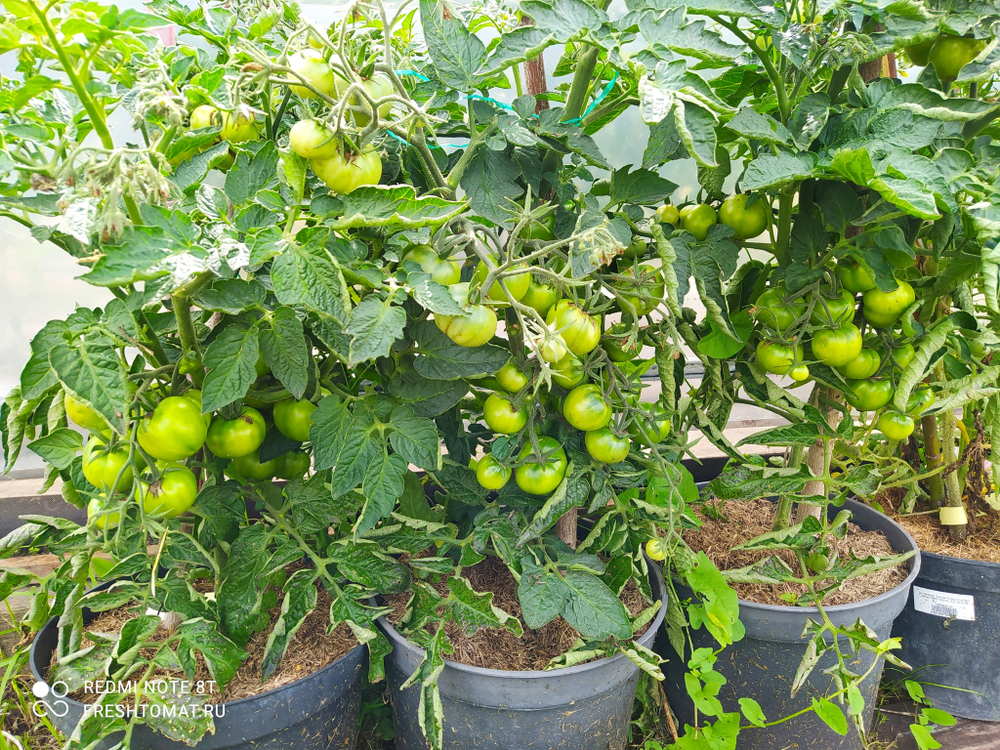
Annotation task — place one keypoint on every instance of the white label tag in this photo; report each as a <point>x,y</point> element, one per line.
<point>952,606</point>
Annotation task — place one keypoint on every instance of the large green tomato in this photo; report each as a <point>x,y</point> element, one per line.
<point>586,409</point>
<point>919,54</point>
<point>510,378</point>
<point>239,128</point>
<point>540,296</point>
<point>777,358</point>
<point>174,430</point>
<point>101,466</point>
<point>950,54</point>
<point>643,291</point>
<point>698,219</point>
<point>195,395</point>
<point>870,394</point>
<point>568,371</point>
<point>636,249</point>
<point>840,309</point>
<point>104,520</point>
<point>516,285</point>
<point>310,67</point>
<point>232,438</point>
<point>604,446</point>
<point>920,401</point>
<point>836,347</point>
<point>83,415</point>
<point>883,309</point>
<point>442,271</point>
<point>854,277</point>
<point>747,222</point>
<point>491,474</point>
<point>170,495</point>
<point>345,175</point>
<point>580,331</point>
<point>292,418</point>
<point>895,426</point>
<point>772,310</point>
<point>649,432</point>
<point>863,366</point>
<point>902,354</point>
<point>667,214</point>
<point>616,347</point>
<point>311,139</point>
<point>249,467</point>
<point>475,328</point>
<point>502,416</point>
<point>541,478</point>
<point>292,464</point>
<point>205,116</point>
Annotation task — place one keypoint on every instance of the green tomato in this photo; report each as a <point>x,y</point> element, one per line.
<point>898,258</point>
<point>232,438</point>
<point>292,464</point>
<point>310,67</point>
<point>502,416</point>
<point>239,128</point>
<point>772,310</point>
<point>205,116</point>
<point>649,430</point>
<point>195,395</point>
<point>446,272</point>
<point>698,219</point>
<point>950,54</point>
<point>475,328</point>
<point>540,296</point>
<point>541,477</point>
<point>511,379</point>
<point>747,222</point>
<point>836,347</point>
<point>777,358</point>
<point>170,495</point>
<point>377,88</point>
<point>919,54</point>
<point>174,430</point>
<point>838,310</point>
<point>292,418</point>
<point>919,401</point>
<point>601,187</point>
<point>667,214</point>
<point>345,174</point>
<point>895,426</point>
<point>863,366</point>
<point>101,466</point>
<point>102,519</point>
<point>249,467</point>
<point>491,474</point>
<point>870,394</point>
<point>655,550</point>
<point>83,415</point>
<point>643,291</point>
<point>799,373</point>
<point>541,229</point>
<point>580,331</point>
<point>636,249</point>
<point>616,347</point>
<point>586,409</point>
<point>604,446</point>
<point>516,285</point>
<point>311,139</point>
<point>883,309</point>
<point>260,366</point>
<point>854,277</point>
<point>902,354</point>
<point>568,372</point>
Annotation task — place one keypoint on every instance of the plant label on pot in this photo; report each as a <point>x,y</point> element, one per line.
<point>953,606</point>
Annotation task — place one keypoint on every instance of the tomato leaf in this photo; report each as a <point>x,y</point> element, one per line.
<point>304,275</point>
<point>375,325</point>
<point>382,486</point>
<point>94,374</point>
<point>299,600</point>
<point>58,448</point>
<point>442,359</point>
<point>230,358</point>
<point>456,52</point>
<point>593,609</point>
<point>415,438</point>
<point>831,715</point>
<point>286,352</point>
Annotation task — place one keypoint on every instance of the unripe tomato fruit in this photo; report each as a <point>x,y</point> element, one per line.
<point>616,348</point>
<point>902,354</point>
<point>475,328</point>
<point>604,446</point>
<point>777,358</point>
<point>655,551</point>
<point>239,128</point>
<point>585,408</point>
<point>950,54</point>
<point>772,310</point>
<point>799,373</point>
<point>490,474</point>
<point>863,366</point>
<point>510,378</point>
<point>568,371</point>
<point>194,395</point>
<point>83,415</point>
<point>667,214</point>
<point>249,467</point>
<point>443,271</point>
<point>204,116</point>
<point>645,290</point>
<point>601,187</point>
<point>174,430</point>
<point>919,401</point>
<point>540,296</point>
<point>345,175</point>
<point>919,54</point>
<point>648,433</point>
<point>854,277</point>
<point>553,348</point>
<point>311,139</point>
<point>747,222</point>
<point>232,438</point>
<point>636,249</point>
<point>838,346</point>
<point>292,418</point>
<point>541,478</point>
<point>310,65</point>
<point>292,464</point>
<point>543,229</point>
<point>869,395</point>
<point>895,426</point>
<point>101,466</point>
<point>516,285</point>
<point>502,416</point>
<point>580,331</point>
<point>170,495</point>
<point>102,520</point>
<point>840,309</point>
<point>698,219</point>
<point>377,88</point>
<point>883,309</point>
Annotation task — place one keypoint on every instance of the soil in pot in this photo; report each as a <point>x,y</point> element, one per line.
<point>982,543</point>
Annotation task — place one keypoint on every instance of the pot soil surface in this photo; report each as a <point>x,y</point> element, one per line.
<point>738,522</point>
<point>311,649</point>
<point>496,648</point>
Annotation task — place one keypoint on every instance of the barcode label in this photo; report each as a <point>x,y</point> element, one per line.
<point>941,604</point>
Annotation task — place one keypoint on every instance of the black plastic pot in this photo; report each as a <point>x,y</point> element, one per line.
<point>763,664</point>
<point>957,659</point>
<point>586,707</point>
<point>318,711</point>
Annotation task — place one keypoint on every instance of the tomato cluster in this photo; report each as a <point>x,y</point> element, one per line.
<point>747,215</point>
<point>947,53</point>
